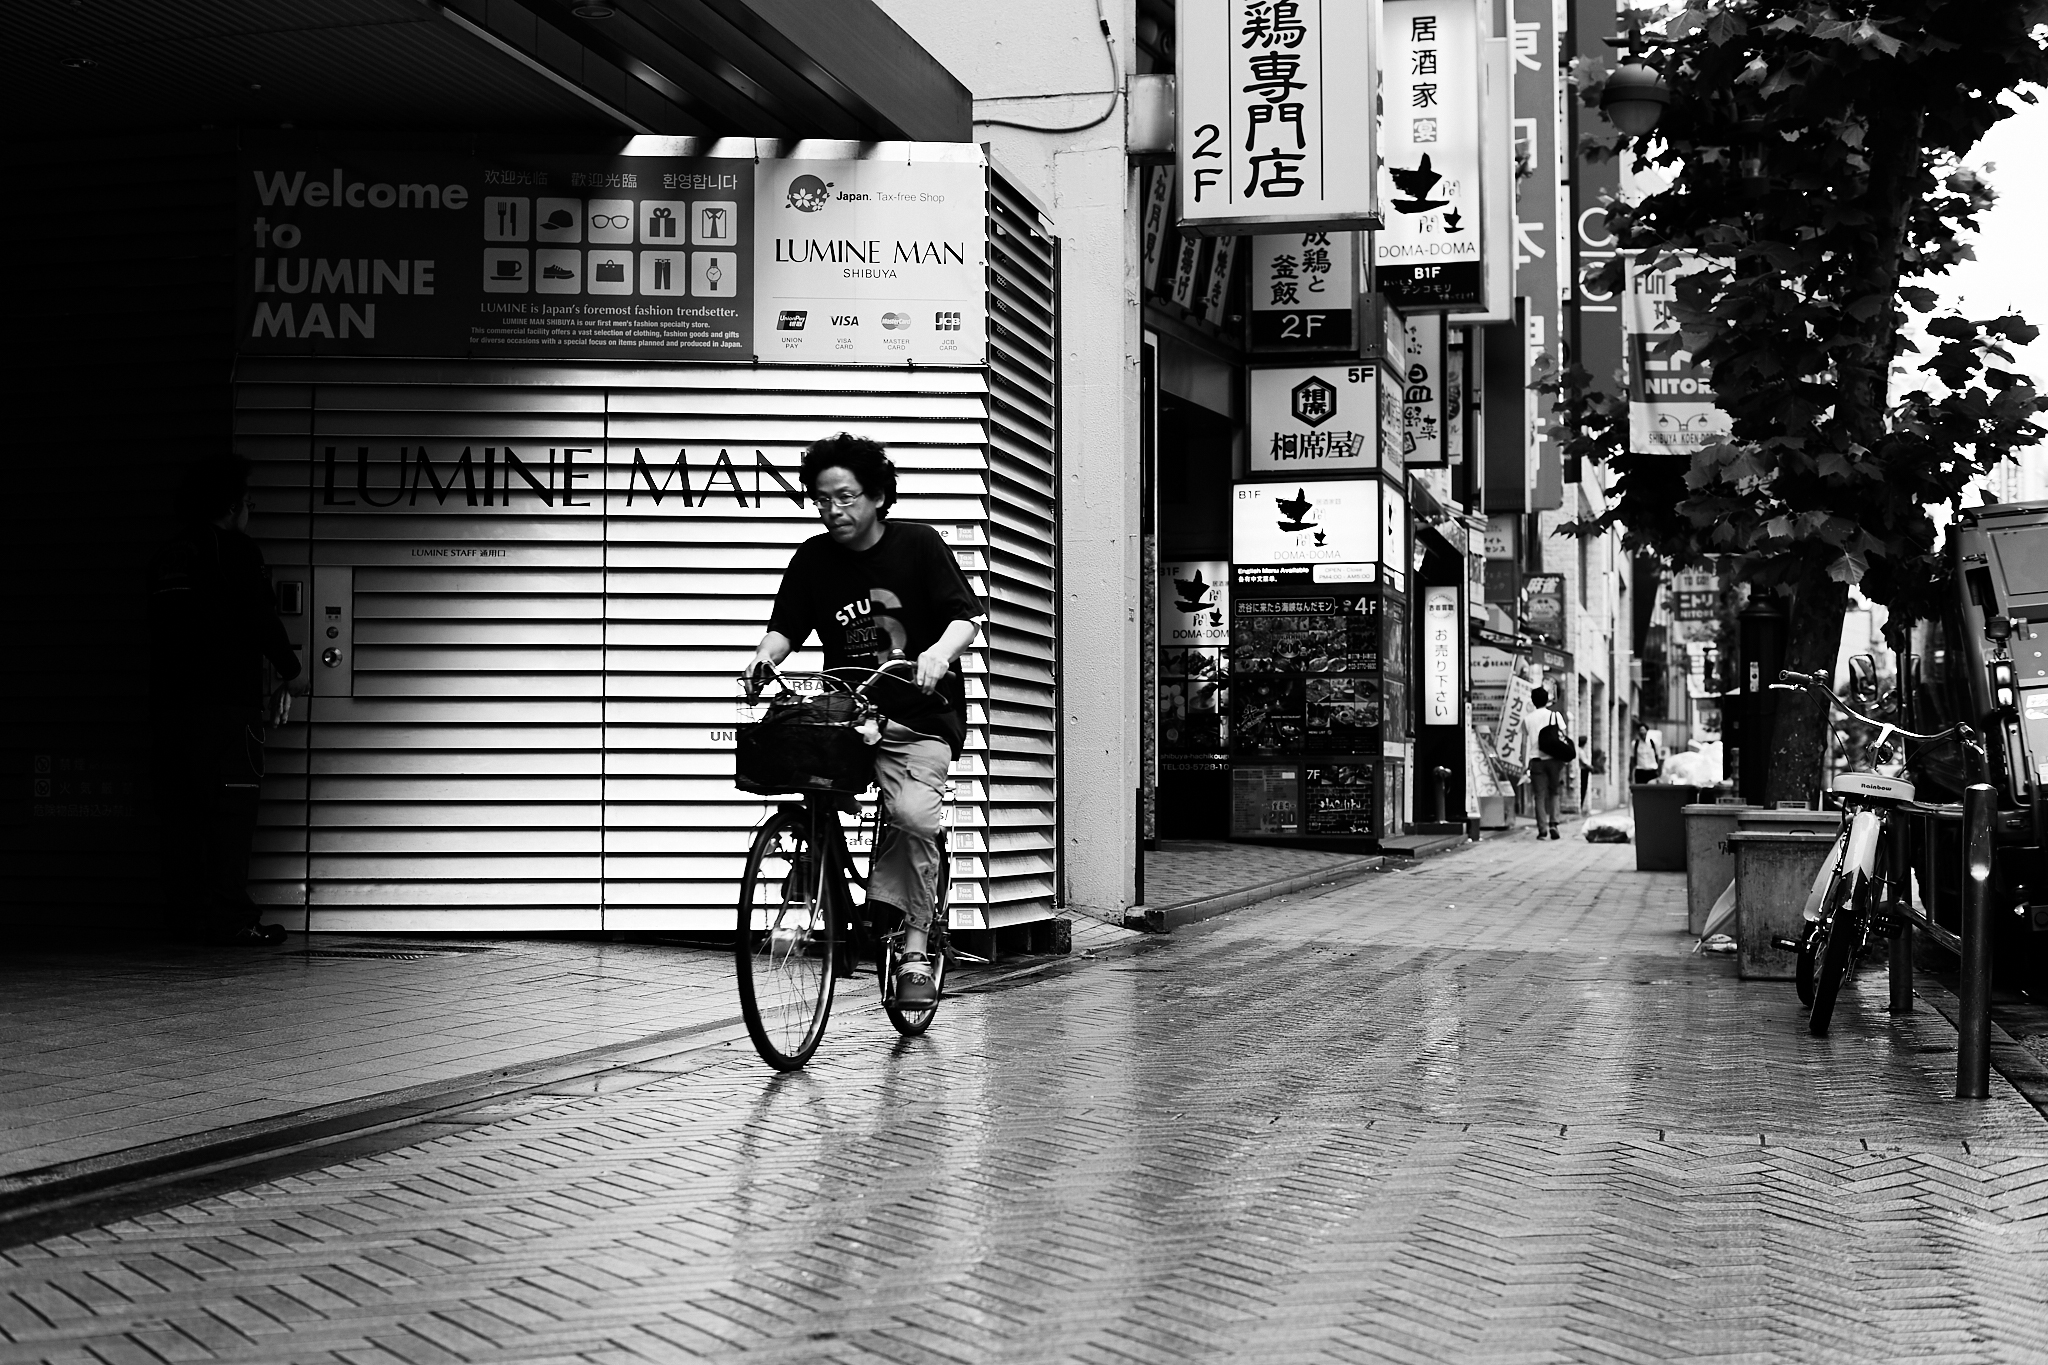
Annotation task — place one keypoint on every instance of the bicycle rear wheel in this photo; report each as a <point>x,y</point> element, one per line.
<point>1840,937</point>
<point>784,944</point>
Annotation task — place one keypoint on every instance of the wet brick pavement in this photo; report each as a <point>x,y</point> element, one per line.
<point>1484,1110</point>
<point>1189,869</point>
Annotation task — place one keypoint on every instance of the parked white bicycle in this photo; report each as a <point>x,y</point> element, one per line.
<point>1851,899</point>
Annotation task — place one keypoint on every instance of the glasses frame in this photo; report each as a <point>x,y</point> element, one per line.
<point>823,501</point>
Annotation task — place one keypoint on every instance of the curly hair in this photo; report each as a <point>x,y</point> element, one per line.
<point>866,460</point>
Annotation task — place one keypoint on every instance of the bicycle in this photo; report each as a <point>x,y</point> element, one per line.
<point>796,914</point>
<point>1845,909</point>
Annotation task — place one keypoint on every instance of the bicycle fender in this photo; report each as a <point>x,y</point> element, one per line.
<point>1821,879</point>
<point>1862,857</point>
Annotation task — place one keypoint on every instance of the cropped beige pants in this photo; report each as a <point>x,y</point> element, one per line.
<point>910,768</point>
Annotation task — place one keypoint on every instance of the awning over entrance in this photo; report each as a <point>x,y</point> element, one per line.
<point>757,68</point>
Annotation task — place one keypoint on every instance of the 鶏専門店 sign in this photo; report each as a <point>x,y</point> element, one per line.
<point>1276,112</point>
<point>1428,257</point>
<point>370,250</point>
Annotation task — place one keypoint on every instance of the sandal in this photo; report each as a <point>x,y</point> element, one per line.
<point>914,986</point>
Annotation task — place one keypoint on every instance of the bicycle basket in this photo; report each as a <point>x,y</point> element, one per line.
<point>804,744</point>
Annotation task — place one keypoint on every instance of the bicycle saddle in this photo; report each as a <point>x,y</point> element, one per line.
<point>1873,787</point>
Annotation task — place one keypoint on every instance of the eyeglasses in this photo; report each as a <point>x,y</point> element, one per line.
<point>617,220</point>
<point>842,498</point>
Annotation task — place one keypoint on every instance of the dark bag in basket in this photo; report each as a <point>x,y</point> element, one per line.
<point>805,746</point>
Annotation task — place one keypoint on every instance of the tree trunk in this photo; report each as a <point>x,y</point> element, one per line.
<point>1800,731</point>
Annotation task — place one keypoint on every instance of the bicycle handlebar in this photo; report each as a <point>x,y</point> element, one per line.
<point>750,676</point>
<point>1790,681</point>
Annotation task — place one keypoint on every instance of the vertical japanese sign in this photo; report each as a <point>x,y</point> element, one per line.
<point>1543,616</point>
<point>1304,291</point>
<point>1428,257</point>
<point>1497,189</point>
<point>1670,396</point>
<point>1596,312</point>
<point>1423,444</point>
<point>1442,629</point>
<point>1276,114</point>
<point>1152,235</point>
<point>1539,209</point>
<point>1216,292</point>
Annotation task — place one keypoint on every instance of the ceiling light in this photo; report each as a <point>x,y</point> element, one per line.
<point>77,63</point>
<point>593,11</point>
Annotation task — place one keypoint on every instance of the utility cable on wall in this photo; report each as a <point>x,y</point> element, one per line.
<point>1115,91</point>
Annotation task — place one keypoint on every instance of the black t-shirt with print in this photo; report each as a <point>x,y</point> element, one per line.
<point>899,594</point>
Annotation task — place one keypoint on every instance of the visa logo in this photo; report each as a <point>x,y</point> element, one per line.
<point>846,319</point>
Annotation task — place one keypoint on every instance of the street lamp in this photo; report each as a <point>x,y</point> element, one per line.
<point>1635,97</point>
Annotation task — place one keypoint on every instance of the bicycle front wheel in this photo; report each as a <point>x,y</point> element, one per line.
<point>1840,936</point>
<point>1812,937</point>
<point>784,943</point>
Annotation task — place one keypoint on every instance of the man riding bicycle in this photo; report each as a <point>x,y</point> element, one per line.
<point>874,590</point>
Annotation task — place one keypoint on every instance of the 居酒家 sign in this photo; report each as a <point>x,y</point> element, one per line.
<point>1428,257</point>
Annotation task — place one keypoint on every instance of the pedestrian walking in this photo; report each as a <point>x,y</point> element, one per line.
<point>1585,770</point>
<point>1648,751</point>
<point>1550,752</point>
<point>213,628</point>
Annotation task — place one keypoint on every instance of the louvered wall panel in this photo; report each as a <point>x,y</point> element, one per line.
<point>538,735</point>
<point>1024,879</point>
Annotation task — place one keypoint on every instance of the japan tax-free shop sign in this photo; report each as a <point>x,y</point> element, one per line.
<point>374,250</point>
<point>1275,114</point>
<point>1428,257</point>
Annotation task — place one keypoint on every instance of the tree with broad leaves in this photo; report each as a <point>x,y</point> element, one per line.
<point>1815,157</point>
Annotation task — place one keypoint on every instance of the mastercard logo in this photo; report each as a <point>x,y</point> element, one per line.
<point>895,322</point>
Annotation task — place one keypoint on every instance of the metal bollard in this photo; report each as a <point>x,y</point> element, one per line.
<point>1899,877</point>
<point>1443,780</point>
<point>1973,1030</point>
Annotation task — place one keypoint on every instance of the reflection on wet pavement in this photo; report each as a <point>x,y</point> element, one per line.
<point>1481,1110</point>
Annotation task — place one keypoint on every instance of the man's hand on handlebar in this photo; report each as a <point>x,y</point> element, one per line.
<point>755,676</point>
<point>932,666</point>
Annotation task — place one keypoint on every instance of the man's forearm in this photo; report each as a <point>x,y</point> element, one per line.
<point>955,638</point>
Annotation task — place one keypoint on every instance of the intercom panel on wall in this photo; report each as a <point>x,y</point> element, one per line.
<point>332,628</point>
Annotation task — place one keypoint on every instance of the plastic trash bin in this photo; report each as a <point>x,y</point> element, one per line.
<point>1660,824</point>
<point>1773,873</point>
<point>1709,860</point>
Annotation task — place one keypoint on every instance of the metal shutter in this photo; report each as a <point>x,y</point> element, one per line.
<point>1023,271</point>
<point>534,728</point>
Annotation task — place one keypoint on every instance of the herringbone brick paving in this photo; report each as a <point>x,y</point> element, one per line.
<point>1487,1110</point>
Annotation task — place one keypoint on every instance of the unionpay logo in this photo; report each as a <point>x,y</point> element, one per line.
<point>791,320</point>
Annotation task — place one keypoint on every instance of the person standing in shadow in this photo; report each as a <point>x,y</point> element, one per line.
<point>213,626</point>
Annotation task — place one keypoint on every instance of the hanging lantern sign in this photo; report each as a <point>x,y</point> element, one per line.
<point>1276,115</point>
<point>1429,257</point>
